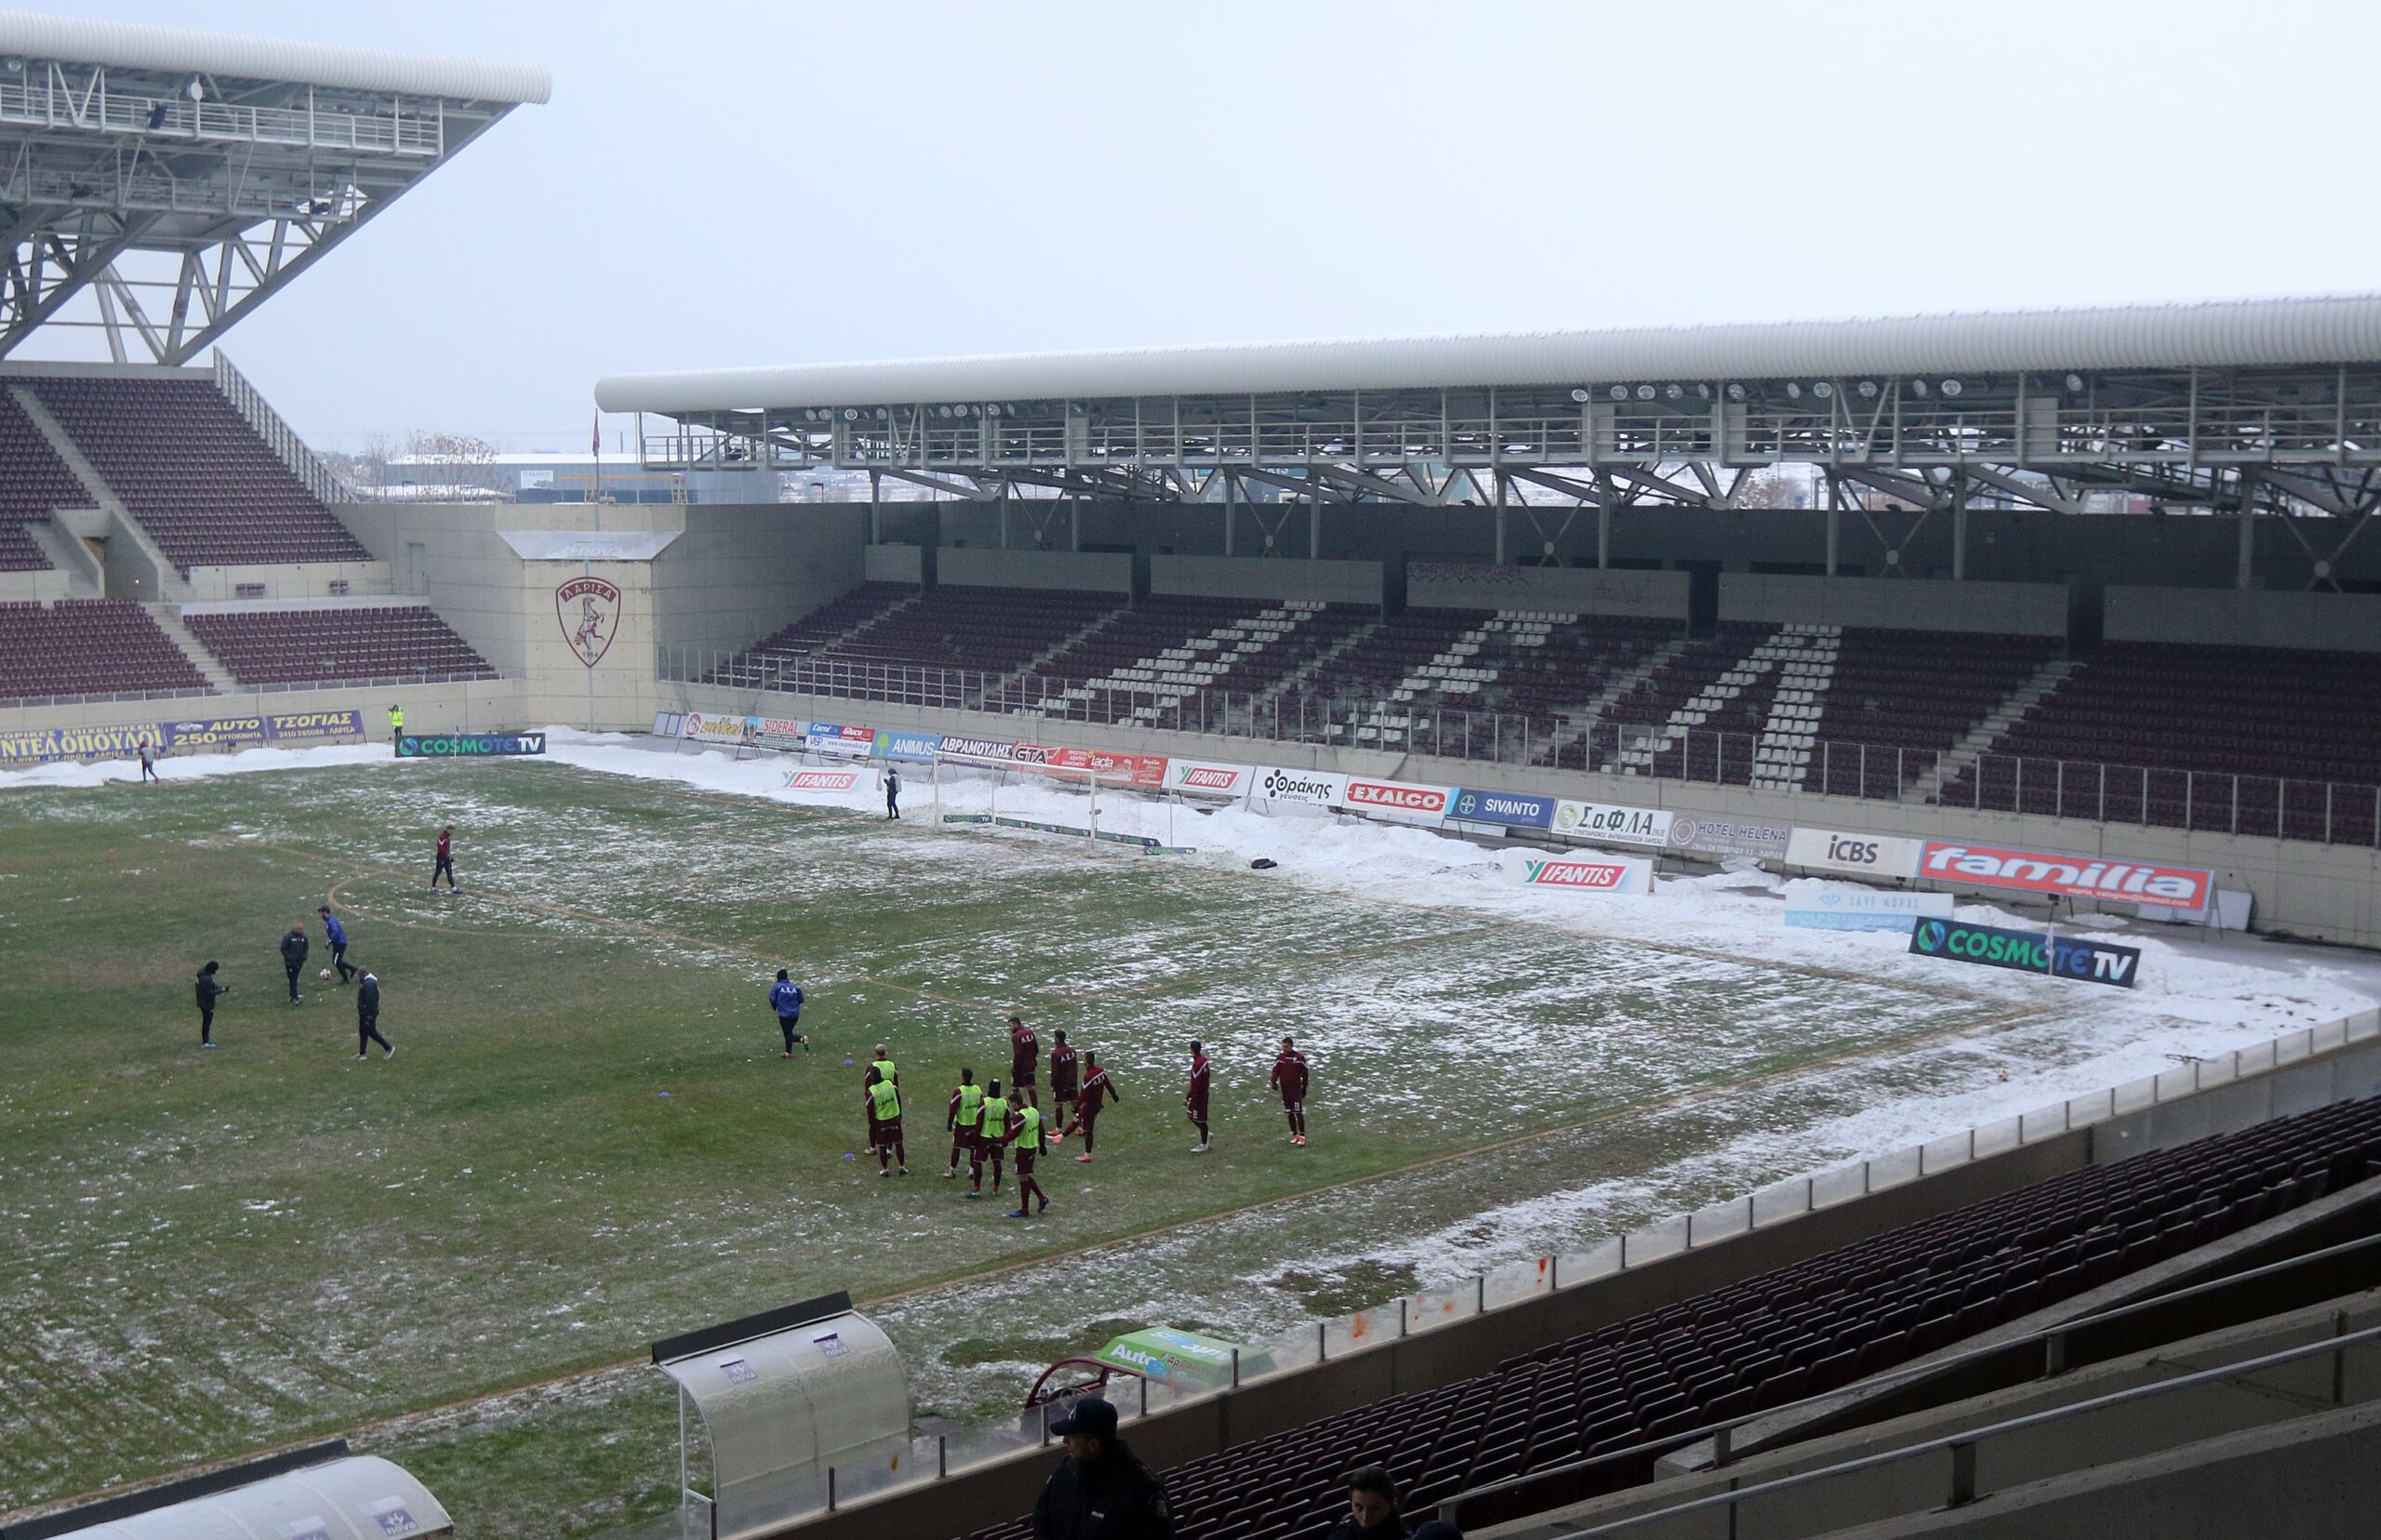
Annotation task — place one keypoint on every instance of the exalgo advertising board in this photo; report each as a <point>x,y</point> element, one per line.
<point>2096,877</point>
<point>1397,802</point>
<point>1578,874</point>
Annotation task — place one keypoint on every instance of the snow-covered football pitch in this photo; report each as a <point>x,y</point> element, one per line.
<point>589,1138</point>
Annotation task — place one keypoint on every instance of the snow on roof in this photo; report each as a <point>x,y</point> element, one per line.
<point>127,44</point>
<point>2324,329</point>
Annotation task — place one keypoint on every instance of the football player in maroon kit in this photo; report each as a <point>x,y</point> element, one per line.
<point>1098,1089</point>
<point>1024,1059</point>
<point>1194,1101</point>
<point>1063,1079</point>
<point>1290,1079</point>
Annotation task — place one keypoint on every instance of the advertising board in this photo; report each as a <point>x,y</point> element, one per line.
<point>1580,873</point>
<point>669,724</point>
<point>313,727</point>
<point>1729,837</point>
<point>906,748</point>
<point>1832,906</point>
<point>1209,779</point>
<point>468,744</point>
<point>1861,854</point>
<point>1311,788</point>
<point>2096,877</point>
<point>2076,957</point>
<point>712,728</point>
<point>821,780</point>
<point>1508,809</point>
<point>780,733</point>
<point>1113,769</point>
<point>42,745</point>
<point>1398,802</point>
<point>1612,823</point>
<point>827,738</point>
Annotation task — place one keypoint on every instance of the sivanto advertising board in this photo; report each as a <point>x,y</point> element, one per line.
<point>1310,787</point>
<point>2096,877</point>
<point>1579,873</point>
<point>469,745</point>
<point>1398,802</point>
<point>1832,906</point>
<point>1209,779</point>
<point>1612,823</point>
<point>1508,809</point>
<point>2076,957</point>
<point>1861,854</point>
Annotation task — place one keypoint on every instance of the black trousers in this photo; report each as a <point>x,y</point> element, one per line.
<point>339,960</point>
<point>446,865</point>
<point>207,1024</point>
<point>367,1029</point>
<point>791,1027</point>
<point>293,968</point>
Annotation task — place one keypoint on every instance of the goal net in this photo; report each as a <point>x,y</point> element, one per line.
<point>971,790</point>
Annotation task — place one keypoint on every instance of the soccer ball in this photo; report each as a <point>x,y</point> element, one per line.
<point>325,973</point>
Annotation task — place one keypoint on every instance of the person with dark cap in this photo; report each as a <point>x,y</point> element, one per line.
<point>209,991</point>
<point>1100,1491</point>
<point>1373,1510</point>
<point>293,958</point>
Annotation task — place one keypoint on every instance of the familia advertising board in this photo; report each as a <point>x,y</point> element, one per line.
<point>2075,957</point>
<point>1578,874</point>
<point>2100,878</point>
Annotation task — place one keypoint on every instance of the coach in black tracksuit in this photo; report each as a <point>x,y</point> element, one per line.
<point>293,957</point>
<point>367,1015</point>
<point>209,992</point>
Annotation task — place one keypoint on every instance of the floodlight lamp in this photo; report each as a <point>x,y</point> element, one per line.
<point>1702,392</point>
<point>15,66</point>
<point>1918,387</point>
<point>994,410</point>
<point>1869,389</point>
<point>1645,393</point>
<point>1618,393</point>
<point>1952,387</point>
<point>942,411</point>
<point>2075,383</point>
<point>882,414</point>
<point>1793,391</point>
<point>1736,393</point>
<point>1579,394</point>
<point>1823,389</point>
<point>851,414</point>
<point>1676,392</point>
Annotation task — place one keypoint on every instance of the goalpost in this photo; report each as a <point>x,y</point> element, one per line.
<point>1048,798</point>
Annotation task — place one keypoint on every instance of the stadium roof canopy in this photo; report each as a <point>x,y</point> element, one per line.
<point>160,183</point>
<point>2273,403</point>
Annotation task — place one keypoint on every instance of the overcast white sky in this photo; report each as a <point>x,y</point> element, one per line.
<point>775,182</point>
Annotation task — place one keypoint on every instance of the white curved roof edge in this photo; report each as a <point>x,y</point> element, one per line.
<point>2324,329</point>
<point>130,46</point>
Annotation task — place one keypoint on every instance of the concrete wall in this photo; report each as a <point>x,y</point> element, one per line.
<point>989,566</point>
<point>895,563</point>
<point>475,706</point>
<point>1894,603</point>
<point>740,572</point>
<point>1569,591</point>
<point>1267,577</point>
<point>2336,622</point>
<point>286,581</point>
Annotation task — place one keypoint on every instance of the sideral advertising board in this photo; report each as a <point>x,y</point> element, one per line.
<point>1834,906</point>
<point>1398,802</point>
<point>821,780</point>
<point>2075,957</point>
<point>1629,874</point>
<point>905,748</point>
<point>1508,809</point>
<point>782,733</point>
<point>1862,855</point>
<point>2096,877</point>
<point>1311,788</point>
<point>469,745</point>
<point>1729,837</point>
<point>1209,779</point>
<point>1611,823</point>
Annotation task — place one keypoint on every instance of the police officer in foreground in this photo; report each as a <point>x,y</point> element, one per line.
<point>1101,1491</point>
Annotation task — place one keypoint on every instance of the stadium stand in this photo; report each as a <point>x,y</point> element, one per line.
<point>790,645</point>
<point>1919,692</point>
<point>868,643</point>
<point>2182,721</point>
<point>33,481</point>
<point>1137,662</point>
<point>88,648</point>
<point>1813,1326</point>
<point>196,476</point>
<point>304,647</point>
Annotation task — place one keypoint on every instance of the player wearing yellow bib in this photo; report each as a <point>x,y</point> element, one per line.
<point>965,1118</point>
<point>988,1142</point>
<point>884,1099</point>
<point>1025,1127</point>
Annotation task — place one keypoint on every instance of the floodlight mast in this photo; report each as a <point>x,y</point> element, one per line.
<point>157,185</point>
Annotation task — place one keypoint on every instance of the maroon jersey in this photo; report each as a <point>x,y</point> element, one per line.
<point>1024,1052</point>
<point>1062,1069</point>
<point>1290,1075</point>
<point>1096,1089</point>
<point>1197,1097</point>
<point>446,846</point>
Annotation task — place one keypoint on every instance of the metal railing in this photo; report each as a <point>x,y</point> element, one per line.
<point>2316,811</point>
<point>283,439</point>
<point>406,126</point>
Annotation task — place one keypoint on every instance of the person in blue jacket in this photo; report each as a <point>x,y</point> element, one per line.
<point>786,999</point>
<point>336,934</point>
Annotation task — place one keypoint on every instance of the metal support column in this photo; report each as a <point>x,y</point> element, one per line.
<point>1604,534</point>
<point>1500,518</point>
<point>1834,520</point>
<point>1314,527</point>
<point>2245,564</point>
<point>1074,523</point>
<point>1958,525</point>
<point>1004,487</point>
<point>1231,506</point>
<point>875,511</point>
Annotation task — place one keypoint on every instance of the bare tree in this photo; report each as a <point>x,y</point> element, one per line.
<point>454,459</point>
<point>1771,487</point>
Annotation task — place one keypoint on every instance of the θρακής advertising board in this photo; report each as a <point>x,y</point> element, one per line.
<point>1578,874</point>
<point>1831,906</point>
<point>468,744</point>
<point>2098,876</point>
<point>1209,779</point>
<point>1862,855</point>
<point>1397,802</point>
<point>1612,823</point>
<point>2074,957</point>
<point>1510,809</point>
<point>1310,787</point>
